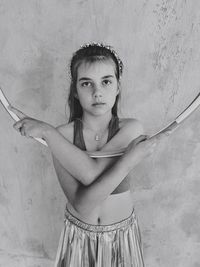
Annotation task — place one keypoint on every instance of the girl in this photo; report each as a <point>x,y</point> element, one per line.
<point>100,227</point>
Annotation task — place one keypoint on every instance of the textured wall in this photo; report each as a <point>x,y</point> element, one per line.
<point>159,44</point>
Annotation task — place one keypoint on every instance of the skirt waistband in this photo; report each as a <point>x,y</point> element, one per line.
<point>100,228</point>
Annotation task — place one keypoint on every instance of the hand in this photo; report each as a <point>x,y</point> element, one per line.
<point>143,146</point>
<point>30,127</point>
<point>140,146</point>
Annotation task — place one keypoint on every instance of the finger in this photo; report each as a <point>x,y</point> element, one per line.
<point>22,131</point>
<point>140,138</point>
<point>18,125</point>
<point>25,132</point>
<point>19,113</point>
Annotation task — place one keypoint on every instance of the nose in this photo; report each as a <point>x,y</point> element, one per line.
<point>97,92</point>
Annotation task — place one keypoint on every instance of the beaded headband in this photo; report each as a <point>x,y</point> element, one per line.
<point>107,47</point>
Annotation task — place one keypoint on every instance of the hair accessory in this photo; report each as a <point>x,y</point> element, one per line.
<point>109,48</point>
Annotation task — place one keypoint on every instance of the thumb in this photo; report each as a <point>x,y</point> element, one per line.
<point>19,113</point>
<point>140,138</point>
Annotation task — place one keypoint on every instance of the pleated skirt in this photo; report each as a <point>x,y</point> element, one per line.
<point>86,245</point>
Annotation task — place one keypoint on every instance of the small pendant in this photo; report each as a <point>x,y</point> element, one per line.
<point>97,137</point>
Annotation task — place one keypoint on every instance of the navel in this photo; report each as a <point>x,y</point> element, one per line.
<point>99,220</point>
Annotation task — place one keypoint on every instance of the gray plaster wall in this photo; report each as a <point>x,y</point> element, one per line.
<point>158,41</point>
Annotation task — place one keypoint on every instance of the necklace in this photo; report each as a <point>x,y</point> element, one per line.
<point>98,135</point>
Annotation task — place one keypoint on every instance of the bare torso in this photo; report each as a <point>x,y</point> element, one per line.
<point>114,209</point>
<point>118,205</point>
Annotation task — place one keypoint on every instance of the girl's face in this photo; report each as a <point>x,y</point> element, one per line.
<point>97,86</point>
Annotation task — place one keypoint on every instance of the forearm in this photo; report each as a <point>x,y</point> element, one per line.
<point>67,182</point>
<point>88,197</point>
<point>78,163</point>
<point>74,160</point>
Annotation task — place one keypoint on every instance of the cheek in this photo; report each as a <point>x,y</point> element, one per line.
<point>112,98</point>
<point>83,97</point>
<point>114,92</point>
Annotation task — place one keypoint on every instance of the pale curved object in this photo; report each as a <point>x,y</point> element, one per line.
<point>168,129</point>
<point>100,154</point>
<point>6,105</point>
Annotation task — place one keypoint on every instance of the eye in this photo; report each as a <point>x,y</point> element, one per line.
<point>107,82</point>
<point>86,84</point>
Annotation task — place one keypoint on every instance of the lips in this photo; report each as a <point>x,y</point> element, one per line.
<point>98,104</point>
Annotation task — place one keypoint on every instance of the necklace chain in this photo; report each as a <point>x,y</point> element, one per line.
<point>98,135</point>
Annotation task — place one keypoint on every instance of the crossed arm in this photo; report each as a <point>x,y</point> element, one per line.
<point>78,163</point>
<point>99,177</point>
<point>90,180</point>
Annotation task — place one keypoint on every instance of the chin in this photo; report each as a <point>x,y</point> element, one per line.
<point>102,112</point>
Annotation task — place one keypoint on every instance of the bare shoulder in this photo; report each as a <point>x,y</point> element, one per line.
<point>131,127</point>
<point>67,130</point>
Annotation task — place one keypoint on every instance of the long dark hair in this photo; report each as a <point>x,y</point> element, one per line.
<point>88,54</point>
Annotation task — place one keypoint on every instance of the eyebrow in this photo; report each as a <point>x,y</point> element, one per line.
<point>104,77</point>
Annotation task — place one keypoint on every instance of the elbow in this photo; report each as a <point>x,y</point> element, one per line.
<point>91,173</point>
<point>88,178</point>
<point>86,181</point>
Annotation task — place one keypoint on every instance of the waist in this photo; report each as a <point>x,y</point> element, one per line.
<point>100,228</point>
<point>112,210</point>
